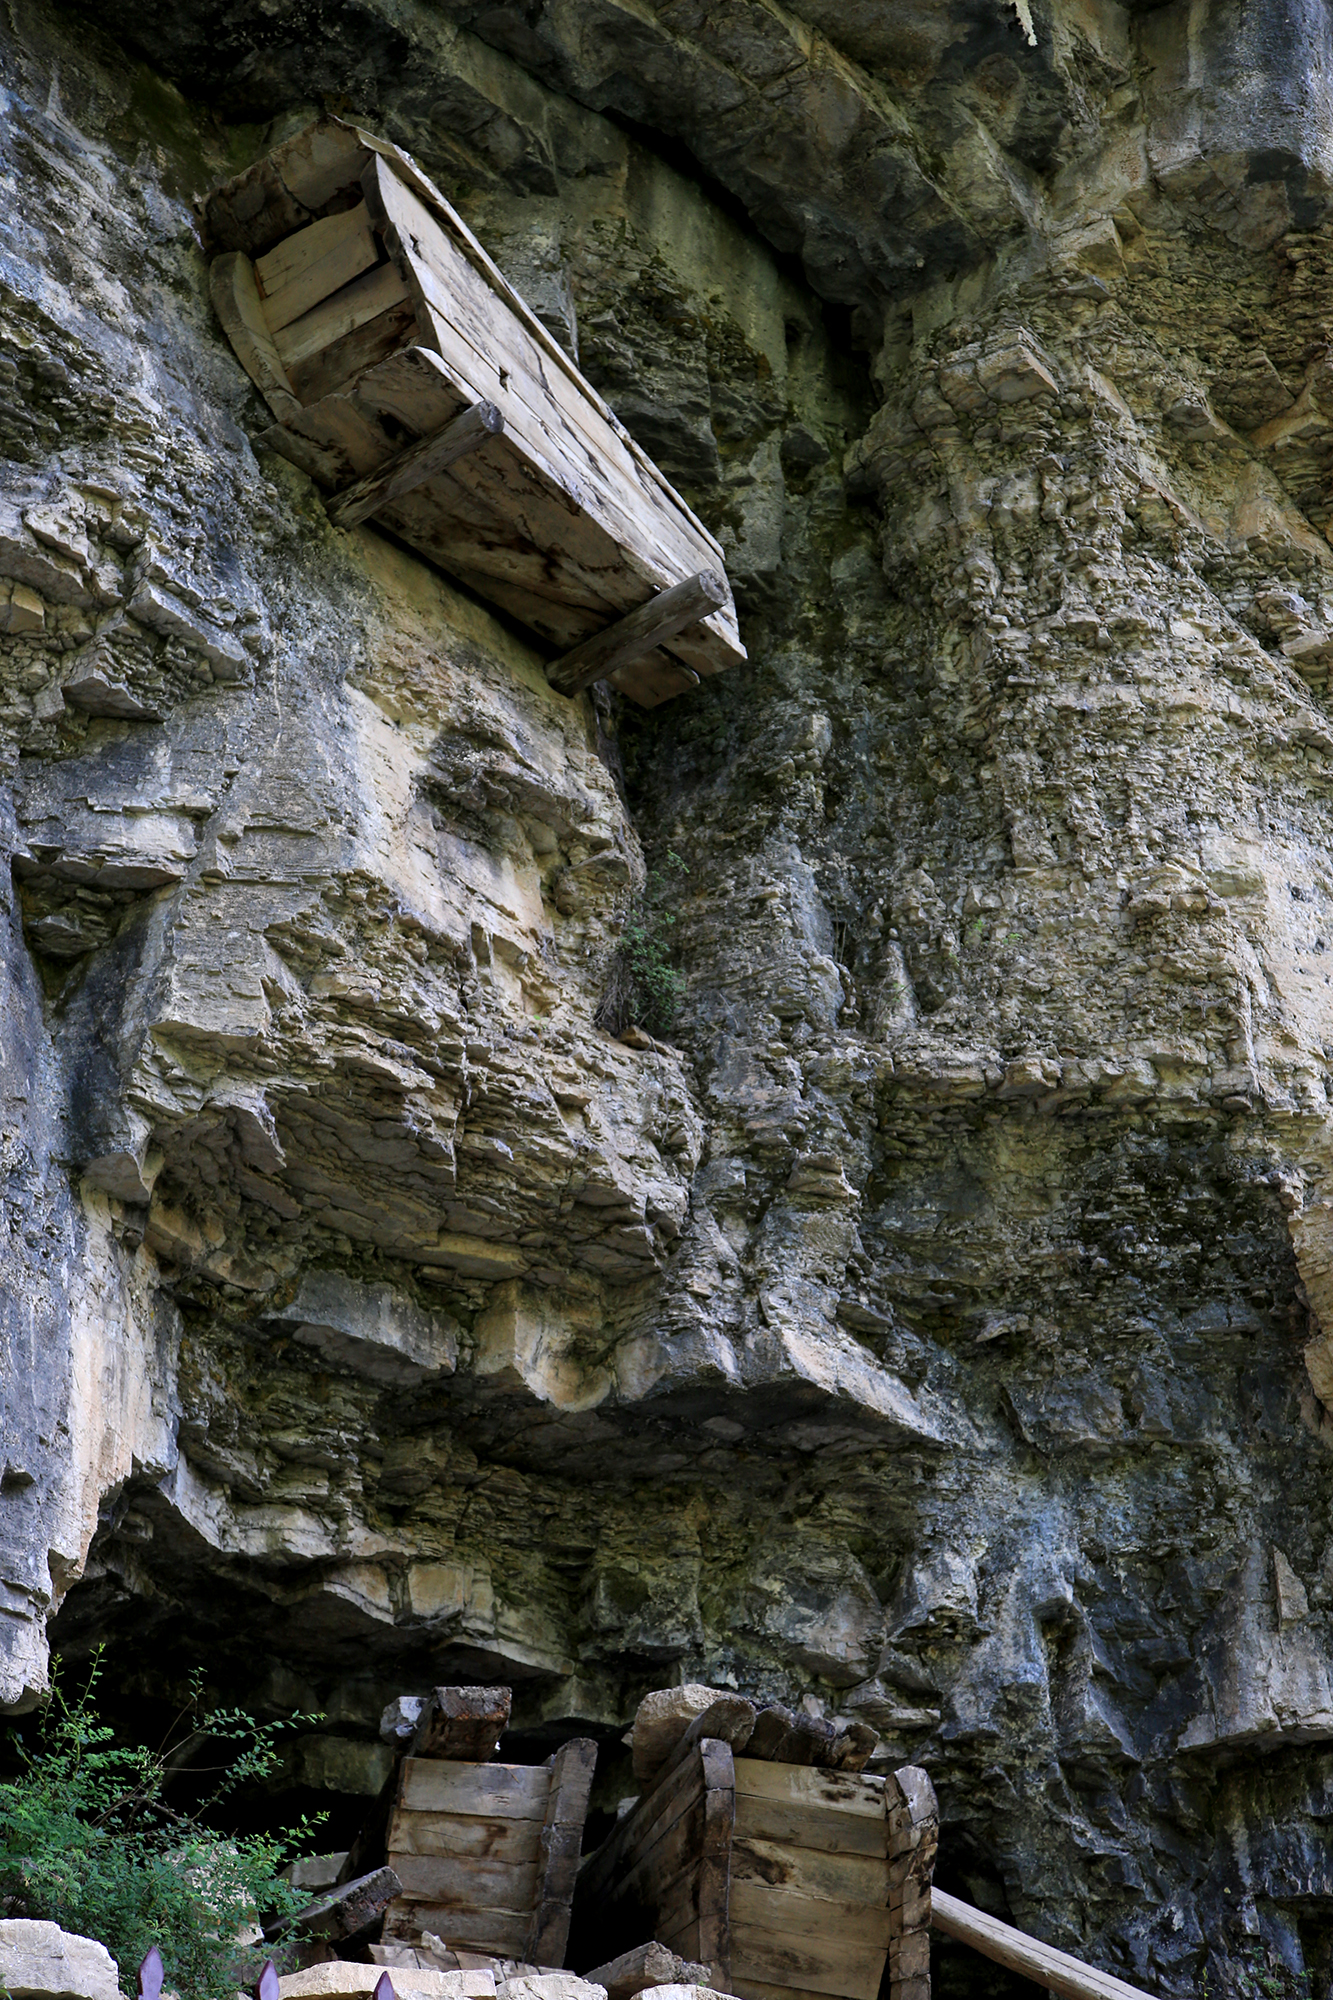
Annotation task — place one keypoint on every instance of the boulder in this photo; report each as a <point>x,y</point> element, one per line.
<point>42,1960</point>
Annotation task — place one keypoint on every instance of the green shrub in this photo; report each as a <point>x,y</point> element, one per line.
<point>88,1841</point>
<point>643,987</point>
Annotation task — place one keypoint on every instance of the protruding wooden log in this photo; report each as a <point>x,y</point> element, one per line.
<point>412,467</point>
<point>464,1724</point>
<point>343,1912</point>
<point>638,633</point>
<point>1014,1949</point>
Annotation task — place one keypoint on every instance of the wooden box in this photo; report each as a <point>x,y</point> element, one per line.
<point>776,1875</point>
<point>371,319</point>
<point>487,1854</point>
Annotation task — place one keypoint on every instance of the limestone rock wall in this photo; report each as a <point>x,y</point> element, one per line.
<point>937,1327</point>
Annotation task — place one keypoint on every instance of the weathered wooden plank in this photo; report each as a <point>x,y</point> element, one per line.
<point>337,367</point>
<point>464,1835</point>
<point>571,1769</point>
<point>1058,1971</point>
<point>463,1724</point>
<point>852,1971</point>
<point>769,1908</point>
<point>804,1785</point>
<point>317,261</point>
<point>760,1989</point>
<point>678,1908</point>
<point>714,1943</point>
<point>556,359</point>
<point>500,1932</point>
<point>647,1965</point>
<point>821,1827</point>
<point>408,468</point>
<point>236,301</point>
<point>639,632</point>
<point>838,1878</point>
<point>452,1882</point>
<point>491,1791</point>
<point>364,299</point>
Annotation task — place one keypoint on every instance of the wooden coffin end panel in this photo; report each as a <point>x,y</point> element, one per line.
<point>287,189</point>
<point>236,301</point>
<point>810,1883</point>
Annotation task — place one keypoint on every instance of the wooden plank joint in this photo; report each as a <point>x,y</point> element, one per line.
<point>639,632</point>
<point>415,464</point>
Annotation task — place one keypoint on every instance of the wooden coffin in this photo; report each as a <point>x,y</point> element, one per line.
<point>372,321</point>
<point>487,1854</point>
<point>776,1875</point>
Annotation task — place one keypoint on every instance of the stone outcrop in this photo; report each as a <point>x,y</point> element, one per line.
<point>42,1962</point>
<point>935,1324</point>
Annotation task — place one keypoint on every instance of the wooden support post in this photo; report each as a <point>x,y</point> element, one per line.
<point>714,1946</point>
<point>415,464</point>
<point>638,633</point>
<point>561,1844</point>
<point>462,1723</point>
<point>1056,1970</point>
<point>913,1816</point>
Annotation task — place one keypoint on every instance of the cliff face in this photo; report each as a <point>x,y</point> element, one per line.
<point>935,1324</point>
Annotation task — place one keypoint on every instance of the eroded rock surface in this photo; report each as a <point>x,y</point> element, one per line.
<point>937,1325</point>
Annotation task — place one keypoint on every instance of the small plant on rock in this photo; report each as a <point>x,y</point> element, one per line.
<point>88,1840</point>
<point>643,988</point>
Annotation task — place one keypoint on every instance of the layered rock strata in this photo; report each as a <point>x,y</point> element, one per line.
<point>932,1325</point>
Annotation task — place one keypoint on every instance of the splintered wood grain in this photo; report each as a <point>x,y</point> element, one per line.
<point>465,1835</point>
<point>308,267</point>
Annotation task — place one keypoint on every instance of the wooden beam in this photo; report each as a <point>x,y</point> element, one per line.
<point>729,1720</point>
<point>571,1770</point>
<point>714,1934</point>
<point>464,1724</point>
<point>412,467</point>
<point>638,633</point>
<point>1014,1949</point>
<point>342,1912</point>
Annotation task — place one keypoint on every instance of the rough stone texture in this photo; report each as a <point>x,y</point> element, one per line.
<point>934,1328</point>
<point>42,1962</point>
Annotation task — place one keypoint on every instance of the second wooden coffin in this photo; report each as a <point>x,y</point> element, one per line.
<point>776,1875</point>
